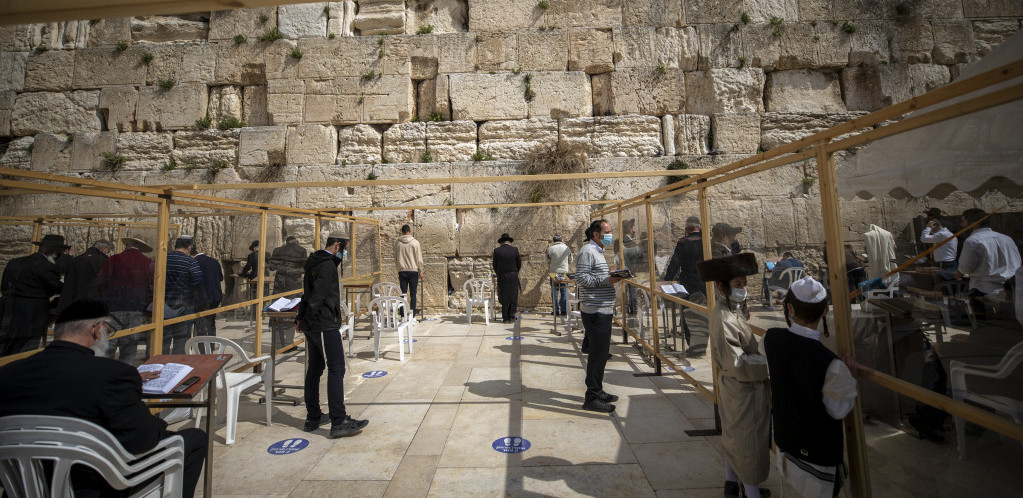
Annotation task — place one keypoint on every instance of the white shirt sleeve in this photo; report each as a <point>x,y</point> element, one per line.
<point>839,390</point>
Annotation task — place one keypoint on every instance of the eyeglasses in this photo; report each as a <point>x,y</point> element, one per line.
<point>110,327</point>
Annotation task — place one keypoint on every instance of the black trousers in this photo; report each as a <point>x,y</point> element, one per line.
<point>325,349</point>
<point>597,333</point>
<point>409,282</point>
<point>508,294</point>
<point>207,325</point>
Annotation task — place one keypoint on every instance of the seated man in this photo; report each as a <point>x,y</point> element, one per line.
<point>70,379</point>
<point>787,261</point>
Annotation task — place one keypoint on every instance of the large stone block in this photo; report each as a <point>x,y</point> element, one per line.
<point>600,88</point>
<point>301,20</point>
<point>18,154</point>
<point>991,33</point>
<point>243,64</point>
<point>436,232</point>
<point>900,82</point>
<point>648,91</point>
<point>205,150</point>
<point>182,62</point>
<point>88,149</point>
<point>352,56</point>
<point>992,8</point>
<point>96,67</point>
<point>862,88</point>
<point>144,151</point>
<point>760,46</point>
<point>225,101</point>
<point>798,50</point>
<point>388,99</point>
<point>380,17</point>
<point>446,16</point>
<point>543,50</point>
<point>516,139</point>
<point>311,144</point>
<point>359,144</point>
<point>953,42</point>
<point>482,97</point>
<point>108,32</point>
<point>647,47</point>
<point>405,143</point>
<point>479,230</point>
<point>435,282</point>
<point>652,13</point>
<point>802,90</point>
<point>692,132</point>
<point>613,136</point>
<point>833,45</point>
<point>284,101</point>
<point>119,104</point>
<point>489,192</point>
<point>720,45</point>
<point>175,109</point>
<point>226,24</point>
<point>515,15</point>
<point>7,99</point>
<point>561,95</point>
<point>159,29</point>
<point>261,146</point>
<point>451,140</point>
<point>497,51</point>
<point>736,133</point>
<point>456,52</point>
<point>65,112</point>
<point>590,51</point>
<point>254,106</point>
<point>713,11</point>
<point>912,42</point>
<point>725,90</point>
<point>869,45</point>
<point>782,128</point>
<point>51,153</point>
<point>48,71</point>
<point>12,70</point>
<point>420,194</point>
<point>623,188</point>
<point>317,197</point>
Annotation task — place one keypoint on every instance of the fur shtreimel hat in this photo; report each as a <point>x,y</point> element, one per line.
<point>727,267</point>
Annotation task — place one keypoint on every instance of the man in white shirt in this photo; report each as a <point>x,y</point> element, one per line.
<point>989,259</point>
<point>935,233</point>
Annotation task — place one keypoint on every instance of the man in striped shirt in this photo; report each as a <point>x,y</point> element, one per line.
<point>597,300</point>
<point>184,279</point>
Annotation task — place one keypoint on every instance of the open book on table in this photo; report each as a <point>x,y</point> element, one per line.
<point>171,374</point>
<point>284,304</point>
<point>675,289</point>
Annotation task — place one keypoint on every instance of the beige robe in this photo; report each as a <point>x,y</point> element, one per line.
<point>744,396</point>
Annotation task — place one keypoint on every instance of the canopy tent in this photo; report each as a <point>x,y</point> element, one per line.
<point>973,153</point>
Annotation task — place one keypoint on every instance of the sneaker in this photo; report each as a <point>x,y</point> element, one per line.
<point>607,398</point>
<point>311,424</point>
<point>596,405</point>
<point>348,427</point>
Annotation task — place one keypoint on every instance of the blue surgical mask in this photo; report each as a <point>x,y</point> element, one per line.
<point>344,254</point>
<point>607,239</point>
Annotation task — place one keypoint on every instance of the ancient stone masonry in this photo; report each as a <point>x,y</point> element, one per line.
<point>414,88</point>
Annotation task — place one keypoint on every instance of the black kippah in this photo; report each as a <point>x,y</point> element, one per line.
<point>83,309</point>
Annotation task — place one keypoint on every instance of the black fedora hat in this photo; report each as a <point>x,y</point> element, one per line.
<point>727,267</point>
<point>52,240</point>
<point>505,237</point>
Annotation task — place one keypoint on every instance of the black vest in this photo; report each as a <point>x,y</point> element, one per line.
<point>802,426</point>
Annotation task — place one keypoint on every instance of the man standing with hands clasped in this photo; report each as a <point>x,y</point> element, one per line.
<point>319,318</point>
<point>597,301</point>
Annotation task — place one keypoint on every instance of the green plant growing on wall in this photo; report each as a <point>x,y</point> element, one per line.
<point>368,76</point>
<point>779,25</point>
<point>426,157</point>
<point>167,83</point>
<point>808,183</point>
<point>272,35</point>
<point>361,100</point>
<point>448,201</point>
<point>528,92</point>
<point>263,18</point>
<point>70,139</point>
<point>848,27</point>
<point>122,46</point>
<point>517,70</point>
<point>204,123</point>
<point>661,69</point>
<point>114,162</point>
<point>372,176</point>
<point>414,118</point>
<point>326,10</point>
<point>169,165</point>
<point>494,209</point>
<point>40,50</point>
<point>191,166</point>
<point>239,39</point>
<point>676,165</point>
<point>296,53</point>
<point>745,18</point>
<point>834,22</point>
<point>31,147</point>
<point>436,116</point>
<point>603,196</point>
<point>816,38</point>
<point>742,61</point>
<point>543,5</point>
<point>331,36</point>
<point>425,30</point>
<point>479,155</point>
<point>380,41</point>
<point>230,123</point>
<point>536,195</point>
<point>147,58</point>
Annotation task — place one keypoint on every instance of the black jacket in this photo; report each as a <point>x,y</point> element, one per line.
<point>507,259</point>
<point>31,276</point>
<point>249,270</point>
<point>320,308</point>
<point>67,380</point>
<point>80,279</point>
<point>682,267</point>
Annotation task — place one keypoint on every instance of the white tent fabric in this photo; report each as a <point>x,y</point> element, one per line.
<point>965,152</point>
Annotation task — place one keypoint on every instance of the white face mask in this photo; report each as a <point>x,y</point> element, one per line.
<point>738,295</point>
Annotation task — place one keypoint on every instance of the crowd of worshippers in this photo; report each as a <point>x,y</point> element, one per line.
<point>37,287</point>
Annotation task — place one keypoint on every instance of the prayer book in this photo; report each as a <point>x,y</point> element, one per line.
<point>284,304</point>
<point>622,273</point>
<point>171,374</point>
<point>675,289</point>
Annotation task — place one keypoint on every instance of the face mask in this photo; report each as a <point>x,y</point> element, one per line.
<point>738,295</point>
<point>607,239</point>
<point>344,254</point>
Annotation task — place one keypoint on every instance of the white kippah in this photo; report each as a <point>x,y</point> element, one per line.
<point>808,290</point>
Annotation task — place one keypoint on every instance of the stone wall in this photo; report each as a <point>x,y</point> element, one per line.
<point>418,88</point>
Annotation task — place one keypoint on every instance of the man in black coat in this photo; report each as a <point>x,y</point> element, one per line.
<point>319,318</point>
<point>28,283</point>
<point>507,264</point>
<point>68,379</point>
<point>212,293</point>
<point>80,279</point>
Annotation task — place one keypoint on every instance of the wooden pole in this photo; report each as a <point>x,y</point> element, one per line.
<point>832,217</point>
<point>260,283</point>
<point>160,275</point>
<point>708,287</point>
<point>37,234</point>
<point>120,235</point>
<point>654,305</point>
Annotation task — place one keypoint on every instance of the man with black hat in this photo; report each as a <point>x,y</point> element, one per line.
<point>507,264</point>
<point>559,257</point>
<point>744,394</point>
<point>27,284</point>
<point>812,390</point>
<point>80,277</point>
<point>70,378</point>
<point>126,284</point>
<point>723,240</point>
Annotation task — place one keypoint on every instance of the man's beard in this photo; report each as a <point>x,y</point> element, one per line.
<point>101,345</point>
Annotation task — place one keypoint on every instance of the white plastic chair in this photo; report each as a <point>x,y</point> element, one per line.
<point>786,278</point>
<point>1001,404</point>
<point>889,290</point>
<point>26,441</point>
<point>573,313</point>
<point>234,382</point>
<point>388,317</point>
<point>348,327</point>
<point>386,289</point>
<point>642,310</point>
<point>478,292</point>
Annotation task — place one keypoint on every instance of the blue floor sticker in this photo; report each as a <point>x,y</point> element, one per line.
<point>413,340</point>
<point>375,374</point>
<point>514,338</point>
<point>510,444</point>
<point>688,369</point>
<point>287,446</point>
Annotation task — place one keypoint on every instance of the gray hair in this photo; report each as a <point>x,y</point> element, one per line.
<point>73,328</point>
<point>103,245</point>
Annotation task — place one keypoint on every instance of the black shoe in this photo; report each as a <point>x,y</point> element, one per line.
<point>732,489</point>
<point>596,405</point>
<point>348,427</point>
<point>607,398</point>
<point>311,424</point>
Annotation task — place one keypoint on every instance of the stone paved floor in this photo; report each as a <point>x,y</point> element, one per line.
<point>434,418</point>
